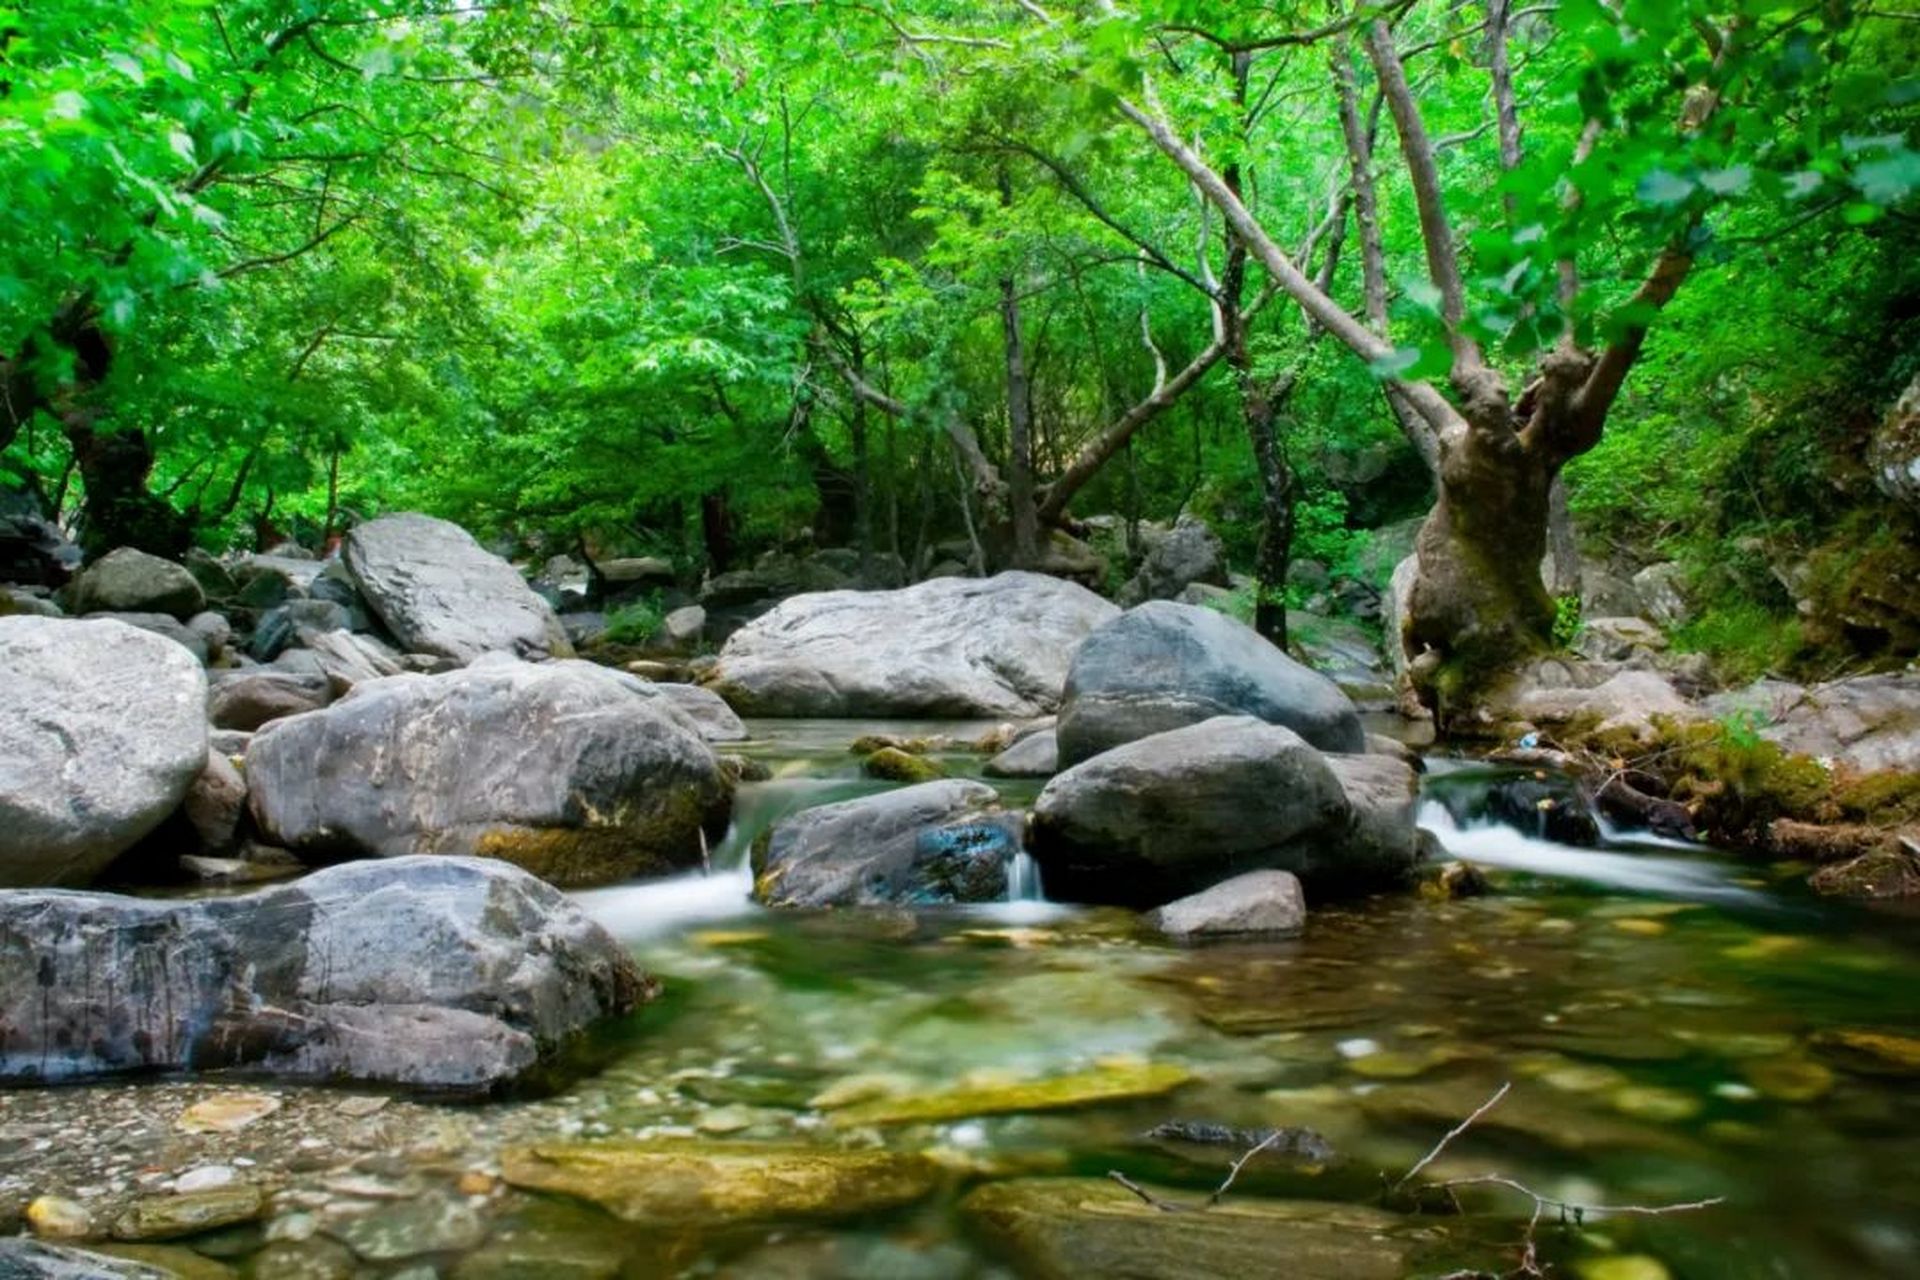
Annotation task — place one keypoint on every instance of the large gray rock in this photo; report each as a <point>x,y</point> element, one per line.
<point>1893,454</point>
<point>1864,723</point>
<point>1174,813</point>
<point>1662,592</point>
<point>162,624</point>
<point>1163,665</point>
<point>131,581</point>
<point>578,774</point>
<point>704,709</point>
<point>937,842</point>
<point>432,973</point>
<point>959,647</point>
<point>1257,902</point>
<point>438,591</point>
<point>1186,554</point>
<point>102,730</point>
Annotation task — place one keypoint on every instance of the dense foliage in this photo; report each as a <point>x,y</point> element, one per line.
<point>706,279</point>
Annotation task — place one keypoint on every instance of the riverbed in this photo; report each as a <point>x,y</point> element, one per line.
<point>1675,1028</point>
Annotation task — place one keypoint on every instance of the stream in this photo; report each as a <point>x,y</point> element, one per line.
<point>1675,1027</point>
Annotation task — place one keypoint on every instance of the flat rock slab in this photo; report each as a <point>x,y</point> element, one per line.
<point>1076,1228</point>
<point>443,974</point>
<point>102,731</point>
<point>722,1182</point>
<point>440,592</point>
<point>959,648</point>
<point>1118,1083</point>
<point>1257,902</point>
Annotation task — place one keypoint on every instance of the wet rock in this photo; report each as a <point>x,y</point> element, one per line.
<point>1175,813</point>
<point>1164,666</point>
<point>1879,1053</point>
<point>227,1113</point>
<point>1257,902</point>
<point>450,974</point>
<point>431,1223</point>
<point>1074,1228</point>
<point>1188,553</point>
<point>131,581</point>
<point>1114,1083</point>
<point>177,1261</point>
<point>1035,756</point>
<point>895,765</point>
<point>22,1259</point>
<point>954,647</point>
<point>1541,804</point>
<point>937,842</point>
<point>576,773</point>
<point>721,1182</point>
<point>439,592</point>
<point>249,699</point>
<point>58,1218</point>
<point>171,1216</point>
<point>102,731</point>
<point>558,1240</point>
<point>314,1259</point>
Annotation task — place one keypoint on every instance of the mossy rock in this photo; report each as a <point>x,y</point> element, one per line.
<point>1076,1228</point>
<point>175,1260</point>
<point>170,1217</point>
<point>895,765</point>
<point>721,1182</point>
<point>1878,1053</point>
<point>1107,1084</point>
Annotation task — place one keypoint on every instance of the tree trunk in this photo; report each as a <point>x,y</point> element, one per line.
<point>1261,407</point>
<point>716,530</point>
<point>1019,432</point>
<point>1563,548</point>
<point>862,492</point>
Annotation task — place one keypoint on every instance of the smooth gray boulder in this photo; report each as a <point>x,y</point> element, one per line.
<point>102,730</point>
<point>23,1258</point>
<point>937,842</point>
<point>704,709</point>
<point>215,803</point>
<point>1174,813</point>
<point>162,624</point>
<point>130,581</point>
<point>1865,723</point>
<point>1163,665</point>
<point>955,647</point>
<point>1257,902</point>
<point>429,973</point>
<point>1035,756</point>
<point>571,771</point>
<point>440,592</point>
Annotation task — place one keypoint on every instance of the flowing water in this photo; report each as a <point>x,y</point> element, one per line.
<point>1675,1028</point>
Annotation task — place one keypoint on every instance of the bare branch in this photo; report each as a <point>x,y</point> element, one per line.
<point>1452,1133</point>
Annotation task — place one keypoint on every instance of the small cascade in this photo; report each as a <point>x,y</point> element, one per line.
<point>1023,879</point>
<point>1495,844</point>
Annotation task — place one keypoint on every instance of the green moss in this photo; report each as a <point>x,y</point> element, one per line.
<point>1105,1084</point>
<point>896,765</point>
<point>634,623</point>
<point>1744,638</point>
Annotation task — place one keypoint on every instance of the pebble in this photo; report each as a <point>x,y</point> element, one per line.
<point>204,1178</point>
<point>226,1113</point>
<point>57,1218</point>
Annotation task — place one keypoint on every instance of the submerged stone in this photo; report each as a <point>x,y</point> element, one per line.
<point>896,765</point>
<point>170,1217</point>
<point>436,1223</point>
<point>722,1182</point>
<point>1872,1052</point>
<point>1079,1228</point>
<point>1107,1084</point>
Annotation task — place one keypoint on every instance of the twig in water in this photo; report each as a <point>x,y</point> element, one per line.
<point>1172,1206</point>
<point>1453,1133</point>
<point>706,862</point>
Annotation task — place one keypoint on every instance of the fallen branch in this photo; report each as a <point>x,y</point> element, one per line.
<point>1219,1192</point>
<point>1453,1133</point>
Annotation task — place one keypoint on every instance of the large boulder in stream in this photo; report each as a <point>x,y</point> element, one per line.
<point>938,842</point>
<point>102,730</point>
<point>1164,665</point>
<point>428,973</point>
<point>1180,811</point>
<point>952,647</point>
<point>440,592</point>
<point>576,773</point>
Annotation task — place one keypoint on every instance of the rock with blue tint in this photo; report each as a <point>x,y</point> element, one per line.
<point>440,974</point>
<point>935,843</point>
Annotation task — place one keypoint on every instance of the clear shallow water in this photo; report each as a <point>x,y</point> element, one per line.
<point>1659,1014</point>
<point>1664,1017</point>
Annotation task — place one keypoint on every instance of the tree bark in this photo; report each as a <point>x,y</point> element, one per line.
<point>1019,415</point>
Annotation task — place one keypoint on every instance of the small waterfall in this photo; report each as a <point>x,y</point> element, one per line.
<point>1023,879</point>
<point>1494,844</point>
